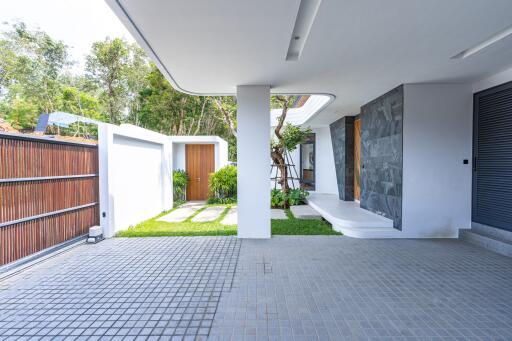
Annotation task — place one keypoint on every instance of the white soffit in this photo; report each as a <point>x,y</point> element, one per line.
<point>355,50</point>
<point>301,115</point>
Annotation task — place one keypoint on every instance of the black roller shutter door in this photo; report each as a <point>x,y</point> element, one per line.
<point>492,157</point>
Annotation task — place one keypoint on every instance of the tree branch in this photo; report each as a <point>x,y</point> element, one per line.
<point>227,117</point>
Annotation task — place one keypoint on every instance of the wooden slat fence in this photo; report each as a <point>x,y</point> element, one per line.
<point>48,193</point>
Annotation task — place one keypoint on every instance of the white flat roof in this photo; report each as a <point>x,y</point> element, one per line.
<point>355,50</point>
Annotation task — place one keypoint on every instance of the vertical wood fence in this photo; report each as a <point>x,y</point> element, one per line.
<point>48,193</point>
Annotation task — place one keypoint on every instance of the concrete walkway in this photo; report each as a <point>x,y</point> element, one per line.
<point>181,213</point>
<point>187,210</point>
<point>232,217</point>
<point>209,214</point>
<point>284,288</point>
<point>277,213</point>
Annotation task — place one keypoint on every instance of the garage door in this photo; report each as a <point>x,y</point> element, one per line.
<point>492,152</point>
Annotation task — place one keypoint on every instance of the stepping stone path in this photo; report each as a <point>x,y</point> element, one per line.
<point>181,213</point>
<point>211,213</point>
<point>305,212</point>
<point>231,218</point>
<point>208,214</point>
<point>277,213</point>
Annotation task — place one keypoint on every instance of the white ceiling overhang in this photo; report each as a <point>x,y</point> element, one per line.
<point>355,50</point>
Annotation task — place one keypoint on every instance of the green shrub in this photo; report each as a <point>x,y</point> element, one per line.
<point>179,184</point>
<point>278,198</point>
<point>222,186</point>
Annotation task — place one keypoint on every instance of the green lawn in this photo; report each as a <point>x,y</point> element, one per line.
<point>291,226</point>
<point>294,226</point>
<point>154,228</point>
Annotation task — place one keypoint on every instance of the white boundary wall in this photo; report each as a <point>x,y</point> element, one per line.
<point>135,176</point>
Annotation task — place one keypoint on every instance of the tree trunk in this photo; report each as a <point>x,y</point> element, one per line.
<point>278,152</point>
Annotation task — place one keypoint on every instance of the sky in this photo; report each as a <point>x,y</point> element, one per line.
<point>76,22</point>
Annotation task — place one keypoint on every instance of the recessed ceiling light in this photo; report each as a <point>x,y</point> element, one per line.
<point>484,44</point>
<point>303,23</point>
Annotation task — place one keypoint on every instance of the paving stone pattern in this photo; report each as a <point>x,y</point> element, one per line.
<point>285,288</point>
<point>122,288</point>
<point>339,288</point>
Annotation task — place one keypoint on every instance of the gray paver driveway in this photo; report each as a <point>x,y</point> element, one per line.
<point>286,288</point>
<point>337,288</point>
<point>121,288</point>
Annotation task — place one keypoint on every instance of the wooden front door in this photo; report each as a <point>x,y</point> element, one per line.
<point>200,162</point>
<point>357,159</point>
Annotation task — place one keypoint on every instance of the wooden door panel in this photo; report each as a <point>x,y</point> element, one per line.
<point>200,162</point>
<point>357,159</point>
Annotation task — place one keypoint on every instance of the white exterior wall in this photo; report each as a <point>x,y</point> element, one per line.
<point>325,169</point>
<point>135,176</point>
<point>179,153</point>
<point>253,122</point>
<point>437,137</point>
<point>178,156</point>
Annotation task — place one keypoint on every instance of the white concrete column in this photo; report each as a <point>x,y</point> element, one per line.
<point>253,139</point>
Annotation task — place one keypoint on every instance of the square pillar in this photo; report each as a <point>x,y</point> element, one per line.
<point>253,161</point>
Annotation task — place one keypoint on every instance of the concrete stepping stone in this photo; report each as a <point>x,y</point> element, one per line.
<point>305,212</point>
<point>208,214</point>
<point>181,213</point>
<point>277,213</point>
<point>231,218</point>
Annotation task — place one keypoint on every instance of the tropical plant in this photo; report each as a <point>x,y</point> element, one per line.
<point>297,196</point>
<point>280,199</point>
<point>179,183</point>
<point>222,186</point>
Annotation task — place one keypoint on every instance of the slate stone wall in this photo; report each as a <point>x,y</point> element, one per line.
<point>381,155</point>
<point>342,137</point>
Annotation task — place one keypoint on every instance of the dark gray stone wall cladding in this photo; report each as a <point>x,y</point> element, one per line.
<point>342,137</point>
<point>381,155</point>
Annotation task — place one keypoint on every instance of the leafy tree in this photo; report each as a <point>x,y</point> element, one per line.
<point>32,66</point>
<point>118,85</point>
<point>107,66</point>
<point>287,138</point>
<point>22,114</point>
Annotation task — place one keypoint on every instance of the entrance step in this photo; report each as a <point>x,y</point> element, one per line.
<point>350,219</point>
<point>492,231</point>
<point>490,238</point>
